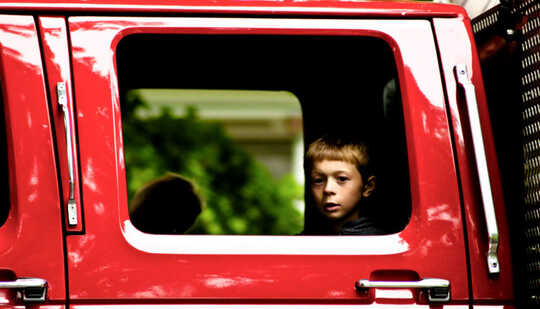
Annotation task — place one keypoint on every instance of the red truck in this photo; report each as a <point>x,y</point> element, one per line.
<point>67,238</point>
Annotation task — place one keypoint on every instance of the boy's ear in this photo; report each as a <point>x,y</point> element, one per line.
<point>369,186</point>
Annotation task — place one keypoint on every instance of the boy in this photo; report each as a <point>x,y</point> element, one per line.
<point>340,181</point>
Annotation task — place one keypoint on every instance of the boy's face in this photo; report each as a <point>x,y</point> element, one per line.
<point>337,189</point>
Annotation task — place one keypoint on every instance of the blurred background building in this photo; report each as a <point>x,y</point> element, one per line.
<point>267,124</point>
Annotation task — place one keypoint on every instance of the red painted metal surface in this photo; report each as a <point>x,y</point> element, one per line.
<point>31,238</point>
<point>55,49</point>
<point>291,306</point>
<point>494,307</point>
<point>270,7</point>
<point>113,261</point>
<point>484,287</point>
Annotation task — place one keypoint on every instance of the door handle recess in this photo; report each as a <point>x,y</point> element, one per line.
<point>33,289</point>
<point>438,290</point>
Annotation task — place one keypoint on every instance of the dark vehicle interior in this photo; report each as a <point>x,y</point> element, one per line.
<point>346,85</point>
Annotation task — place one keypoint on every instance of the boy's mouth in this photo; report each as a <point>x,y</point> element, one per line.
<point>330,207</point>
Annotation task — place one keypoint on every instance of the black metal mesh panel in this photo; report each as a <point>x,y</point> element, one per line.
<point>530,82</point>
<point>486,21</point>
<point>525,210</point>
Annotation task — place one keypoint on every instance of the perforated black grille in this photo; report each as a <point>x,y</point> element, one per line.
<point>526,213</point>
<point>530,82</point>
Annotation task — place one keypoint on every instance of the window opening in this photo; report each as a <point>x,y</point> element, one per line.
<point>229,118</point>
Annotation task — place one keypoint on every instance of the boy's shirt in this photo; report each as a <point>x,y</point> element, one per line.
<point>361,226</point>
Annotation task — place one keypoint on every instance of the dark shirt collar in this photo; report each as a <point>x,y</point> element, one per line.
<point>361,226</point>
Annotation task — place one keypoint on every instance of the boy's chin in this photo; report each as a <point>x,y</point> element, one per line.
<point>340,217</point>
<point>334,216</point>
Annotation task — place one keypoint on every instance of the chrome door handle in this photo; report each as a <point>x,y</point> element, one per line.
<point>33,289</point>
<point>62,101</point>
<point>438,290</point>
<point>465,82</point>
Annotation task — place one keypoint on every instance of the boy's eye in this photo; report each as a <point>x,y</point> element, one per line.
<point>342,178</point>
<point>317,180</point>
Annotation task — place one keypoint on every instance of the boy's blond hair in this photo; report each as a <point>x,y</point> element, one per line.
<point>339,149</point>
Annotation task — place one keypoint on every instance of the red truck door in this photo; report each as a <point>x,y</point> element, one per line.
<point>486,286</point>
<point>31,245</point>
<point>114,264</point>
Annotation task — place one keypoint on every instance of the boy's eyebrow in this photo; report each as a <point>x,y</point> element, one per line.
<point>333,172</point>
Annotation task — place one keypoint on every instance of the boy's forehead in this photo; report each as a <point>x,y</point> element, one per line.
<point>333,165</point>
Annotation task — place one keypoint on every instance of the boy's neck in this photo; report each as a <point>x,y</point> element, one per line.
<point>337,226</point>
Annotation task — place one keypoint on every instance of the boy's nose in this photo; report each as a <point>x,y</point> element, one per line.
<point>329,187</point>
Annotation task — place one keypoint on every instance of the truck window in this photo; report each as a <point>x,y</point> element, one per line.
<point>223,122</point>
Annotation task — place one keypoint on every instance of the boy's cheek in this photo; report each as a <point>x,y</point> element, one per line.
<point>316,193</point>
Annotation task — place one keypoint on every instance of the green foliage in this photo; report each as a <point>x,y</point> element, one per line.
<point>240,195</point>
